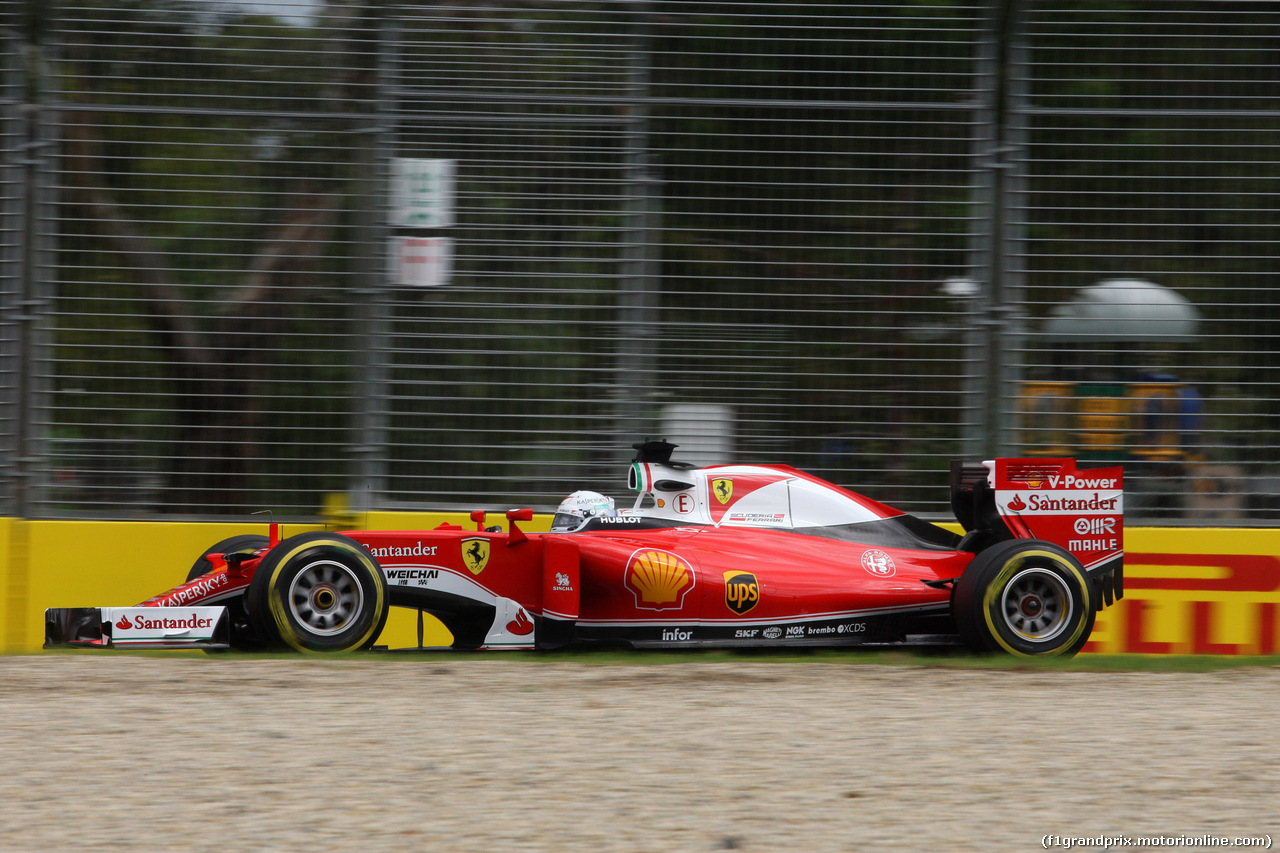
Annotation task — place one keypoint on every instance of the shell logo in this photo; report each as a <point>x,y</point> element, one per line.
<point>658,579</point>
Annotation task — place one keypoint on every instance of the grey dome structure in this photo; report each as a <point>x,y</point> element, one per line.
<point>1124,310</point>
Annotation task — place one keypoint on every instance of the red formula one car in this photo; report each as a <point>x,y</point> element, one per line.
<point>728,556</point>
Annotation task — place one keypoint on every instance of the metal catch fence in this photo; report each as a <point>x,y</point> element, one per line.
<point>306,254</point>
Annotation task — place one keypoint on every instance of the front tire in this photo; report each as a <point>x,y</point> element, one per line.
<point>1027,598</point>
<point>245,543</point>
<point>243,638</point>
<point>318,592</point>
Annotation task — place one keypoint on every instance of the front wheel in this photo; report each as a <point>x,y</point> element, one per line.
<point>1025,597</point>
<point>319,592</point>
<point>245,543</point>
<point>242,635</point>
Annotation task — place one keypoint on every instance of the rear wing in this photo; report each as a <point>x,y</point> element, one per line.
<point>1080,509</point>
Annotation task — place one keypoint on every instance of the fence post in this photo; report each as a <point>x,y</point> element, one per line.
<point>26,341</point>
<point>373,347</point>
<point>13,137</point>
<point>995,343</point>
<point>638,285</point>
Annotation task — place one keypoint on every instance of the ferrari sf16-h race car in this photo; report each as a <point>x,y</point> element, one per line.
<point>722,556</point>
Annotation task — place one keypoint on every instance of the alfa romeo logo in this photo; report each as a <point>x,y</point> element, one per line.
<point>878,563</point>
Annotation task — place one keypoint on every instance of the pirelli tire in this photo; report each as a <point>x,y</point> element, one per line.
<point>245,543</point>
<point>1027,598</point>
<point>243,638</point>
<point>318,592</point>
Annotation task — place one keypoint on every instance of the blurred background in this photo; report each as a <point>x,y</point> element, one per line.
<point>330,254</point>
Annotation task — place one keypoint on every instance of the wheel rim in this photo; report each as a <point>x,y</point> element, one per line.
<point>1036,604</point>
<point>325,596</point>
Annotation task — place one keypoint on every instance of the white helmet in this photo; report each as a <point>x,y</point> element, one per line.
<point>580,506</point>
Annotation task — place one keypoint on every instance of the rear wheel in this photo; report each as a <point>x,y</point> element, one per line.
<point>1025,597</point>
<point>318,592</point>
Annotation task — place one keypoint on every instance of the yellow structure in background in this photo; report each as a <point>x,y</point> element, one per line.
<point>1136,420</point>
<point>1187,591</point>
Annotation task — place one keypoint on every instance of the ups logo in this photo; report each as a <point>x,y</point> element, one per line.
<point>741,591</point>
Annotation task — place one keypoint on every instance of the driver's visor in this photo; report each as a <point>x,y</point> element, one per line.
<point>566,521</point>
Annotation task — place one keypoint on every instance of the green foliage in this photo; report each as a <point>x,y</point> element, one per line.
<point>809,173</point>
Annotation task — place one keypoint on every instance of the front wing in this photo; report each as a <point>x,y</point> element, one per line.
<point>137,627</point>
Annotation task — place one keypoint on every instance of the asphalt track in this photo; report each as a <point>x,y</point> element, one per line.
<point>114,752</point>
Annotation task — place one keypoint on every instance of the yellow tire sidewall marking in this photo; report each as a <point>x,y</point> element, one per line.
<point>279,612</point>
<point>1011,567</point>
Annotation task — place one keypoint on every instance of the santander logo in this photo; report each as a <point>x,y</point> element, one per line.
<point>124,624</point>
<point>521,625</point>
<point>1017,504</point>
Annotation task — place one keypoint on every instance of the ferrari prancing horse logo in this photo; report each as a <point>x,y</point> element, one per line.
<point>722,488</point>
<point>475,554</point>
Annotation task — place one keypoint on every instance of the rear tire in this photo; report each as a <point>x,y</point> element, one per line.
<point>318,592</point>
<point>1027,598</point>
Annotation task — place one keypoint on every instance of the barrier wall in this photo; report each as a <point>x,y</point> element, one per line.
<point>105,563</point>
<point>1187,591</point>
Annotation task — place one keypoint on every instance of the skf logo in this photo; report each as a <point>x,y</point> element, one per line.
<point>475,554</point>
<point>722,488</point>
<point>741,591</point>
<point>658,579</point>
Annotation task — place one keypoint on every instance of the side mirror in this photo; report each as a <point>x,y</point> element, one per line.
<point>517,535</point>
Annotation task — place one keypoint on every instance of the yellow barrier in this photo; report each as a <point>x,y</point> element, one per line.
<point>109,563</point>
<point>1210,591</point>
<point>1187,591</point>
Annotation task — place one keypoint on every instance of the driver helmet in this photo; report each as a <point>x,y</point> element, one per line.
<point>578,507</point>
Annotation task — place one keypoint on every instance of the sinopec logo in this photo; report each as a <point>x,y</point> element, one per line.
<point>741,591</point>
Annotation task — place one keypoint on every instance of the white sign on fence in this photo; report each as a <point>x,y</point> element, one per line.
<point>421,193</point>
<point>422,261</point>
